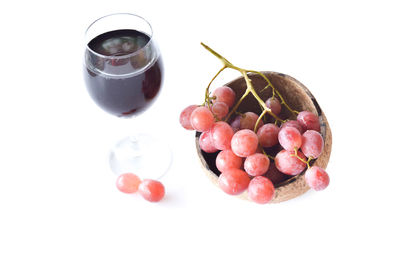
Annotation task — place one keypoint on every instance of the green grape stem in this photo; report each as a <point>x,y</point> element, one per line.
<point>275,91</point>
<point>301,159</point>
<point>207,96</point>
<point>258,120</point>
<point>249,89</point>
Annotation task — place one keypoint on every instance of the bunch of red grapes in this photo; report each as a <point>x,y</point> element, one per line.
<point>242,160</point>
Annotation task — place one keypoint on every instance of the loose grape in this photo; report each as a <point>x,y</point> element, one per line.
<point>294,124</point>
<point>289,138</point>
<point>206,142</point>
<point>202,119</point>
<point>128,183</point>
<point>151,190</point>
<point>244,143</point>
<point>226,160</point>
<point>312,144</point>
<point>274,174</point>
<point>248,121</point>
<point>222,133</point>
<point>233,181</point>
<point>309,121</point>
<point>317,178</point>
<point>261,190</point>
<point>256,164</point>
<point>184,118</point>
<point>225,94</point>
<point>268,135</point>
<point>287,163</point>
<point>220,109</point>
<point>274,104</point>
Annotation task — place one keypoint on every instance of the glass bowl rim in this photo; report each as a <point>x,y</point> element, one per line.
<point>122,56</point>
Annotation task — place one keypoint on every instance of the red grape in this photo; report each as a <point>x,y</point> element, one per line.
<point>128,183</point>
<point>206,142</point>
<point>268,135</point>
<point>244,143</point>
<point>309,121</point>
<point>222,133</point>
<point>274,174</point>
<point>235,124</point>
<point>294,124</point>
<point>261,190</point>
<point>228,160</point>
<point>184,118</point>
<point>202,119</point>
<point>233,181</point>
<point>248,121</point>
<point>312,144</point>
<point>225,94</point>
<point>256,164</point>
<point>317,178</point>
<point>220,109</point>
<point>287,163</point>
<point>151,190</point>
<point>274,104</point>
<point>289,138</point>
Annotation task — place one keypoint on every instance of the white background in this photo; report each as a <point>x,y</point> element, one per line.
<point>58,201</point>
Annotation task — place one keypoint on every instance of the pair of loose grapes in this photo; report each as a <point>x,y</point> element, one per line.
<point>150,190</point>
<point>237,141</point>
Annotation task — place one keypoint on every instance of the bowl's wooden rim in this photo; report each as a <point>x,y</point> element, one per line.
<point>296,185</point>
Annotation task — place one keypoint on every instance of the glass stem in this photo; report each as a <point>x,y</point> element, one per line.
<point>135,145</point>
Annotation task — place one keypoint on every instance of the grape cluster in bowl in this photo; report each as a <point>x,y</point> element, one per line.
<point>256,150</point>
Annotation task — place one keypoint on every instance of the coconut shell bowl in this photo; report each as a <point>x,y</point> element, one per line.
<point>299,98</point>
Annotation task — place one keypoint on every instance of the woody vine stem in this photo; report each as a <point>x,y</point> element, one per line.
<point>249,90</point>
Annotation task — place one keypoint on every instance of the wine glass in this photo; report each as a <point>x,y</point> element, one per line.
<point>123,72</point>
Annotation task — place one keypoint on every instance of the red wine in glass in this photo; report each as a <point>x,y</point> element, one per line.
<point>120,76</point>
<point>123,72</point>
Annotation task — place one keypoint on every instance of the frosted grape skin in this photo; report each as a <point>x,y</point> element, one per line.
<point>317,178</point>
<point>244,143</point>
<point>202,119</point>
<point>287,163</point>
<point>268,135</point>
<point>233,181</point>
<point>206,142</point>
<point>261,190</point>
<point>312,144</point>
<point>184,118</point>
<point>225,94</point>
<point>222,133</point>
<point>309,121</point>
<point>220,109</point>
<point>256,164</point>
<point>226,160</point>
<point>289,138</point>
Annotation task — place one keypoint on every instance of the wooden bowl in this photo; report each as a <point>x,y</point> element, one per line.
<point>298,97</point>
